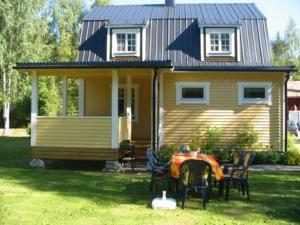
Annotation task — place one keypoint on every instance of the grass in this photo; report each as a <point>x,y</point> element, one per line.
<point>86,196</point>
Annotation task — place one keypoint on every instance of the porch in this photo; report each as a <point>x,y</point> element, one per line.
<point>113,105</point>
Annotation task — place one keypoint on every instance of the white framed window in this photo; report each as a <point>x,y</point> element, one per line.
<point>192,93</point>
<point>126,42</point>
<point>122,102</point>
<point>220,42</point>
<point>255,93</point>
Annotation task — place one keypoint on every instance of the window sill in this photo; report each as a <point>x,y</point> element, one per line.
<point>189,102</point>
<point>118,54</point>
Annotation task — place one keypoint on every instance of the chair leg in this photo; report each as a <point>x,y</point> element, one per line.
<point>242,186</point>
<point>204,197</point>
<point>151,184</point>
<point>247,189</point>
<point>221,187</point>
<point>227,183</point>
<point>183,196</point>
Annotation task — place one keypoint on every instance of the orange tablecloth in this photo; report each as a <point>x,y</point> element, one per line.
<point>179,158</point>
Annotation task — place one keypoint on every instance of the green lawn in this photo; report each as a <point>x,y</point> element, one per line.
<point>85,196</point>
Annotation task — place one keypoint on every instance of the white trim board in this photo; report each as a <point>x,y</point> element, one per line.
<point>197,101</point>
<point>265,101</point>
<point>34,107</point>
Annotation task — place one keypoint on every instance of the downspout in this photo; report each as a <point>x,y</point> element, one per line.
<point>287,77</point>
<point>154,109</point>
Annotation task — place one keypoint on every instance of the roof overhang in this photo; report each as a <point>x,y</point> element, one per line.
<point>126,23</point>
<point>95,65</point>
<point>164,64</point>
<point>287,69</point>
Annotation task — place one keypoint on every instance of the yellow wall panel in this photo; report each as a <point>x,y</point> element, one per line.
<point>223,111</point>
<point>74,132</point>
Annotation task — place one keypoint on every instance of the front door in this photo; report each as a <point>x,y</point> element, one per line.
<point>140,107</point>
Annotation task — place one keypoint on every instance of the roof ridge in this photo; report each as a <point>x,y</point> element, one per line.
<point>162,4</point>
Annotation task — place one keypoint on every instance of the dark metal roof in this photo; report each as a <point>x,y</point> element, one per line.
<point>94,65</point>
<point>178,40</point>
<point>237,68</point>
<point>209,14</point>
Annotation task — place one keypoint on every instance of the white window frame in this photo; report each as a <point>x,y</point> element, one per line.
<point>196,101</point>
<point>227,30</point>
<point>116,31</point>
<point>255,101</point>
<point>136,103</point>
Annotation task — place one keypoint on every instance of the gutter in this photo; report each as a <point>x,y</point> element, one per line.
<point>234,69</point>
<point>154,108</point>
<point>287,77</point>
<point>95,65</point>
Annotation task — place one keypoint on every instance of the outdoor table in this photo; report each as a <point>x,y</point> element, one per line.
<point>179,158</point>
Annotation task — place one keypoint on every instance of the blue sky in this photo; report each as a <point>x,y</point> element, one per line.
<point>278,12</point>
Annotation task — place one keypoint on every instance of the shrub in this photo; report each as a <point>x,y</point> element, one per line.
<point>246,138</point>
<point>293,157</point>
<point>277,157</point>
<point>270,157</point>
<point>291,142</point>
<point>166,151</point>
<point>207,140</point>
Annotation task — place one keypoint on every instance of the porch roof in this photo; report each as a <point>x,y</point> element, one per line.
<point>93,65</point>
<point>237,68</point>
<point>164,64</point>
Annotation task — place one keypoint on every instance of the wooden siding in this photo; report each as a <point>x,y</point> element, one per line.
<point>74,153</point>
<point>98,96</point>
<point>223,111</point>
<point>141,129</point>
<point>98,101</point>
<point>74,132</point>
<point>123,130</point>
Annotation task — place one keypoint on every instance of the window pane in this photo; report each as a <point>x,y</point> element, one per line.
<point>131,42</point>
<point>214,42</point>
<point>121,107</point>
<point>196,92</point>
<point>121,102</point>
<point>254,92</point>
<point>121,42</point>
<point>225,42</point>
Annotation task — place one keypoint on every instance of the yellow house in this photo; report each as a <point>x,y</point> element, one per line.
<point>155,73</point>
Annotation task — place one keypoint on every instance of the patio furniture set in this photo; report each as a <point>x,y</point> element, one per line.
<point>200,172</point>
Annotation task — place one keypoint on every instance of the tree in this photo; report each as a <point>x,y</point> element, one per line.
<point>22,35</point>
<point>286,49</point>
<point>101,3</point>
<point>67,16</point>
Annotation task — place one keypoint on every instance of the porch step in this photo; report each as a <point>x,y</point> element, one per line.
<point>140,149</point>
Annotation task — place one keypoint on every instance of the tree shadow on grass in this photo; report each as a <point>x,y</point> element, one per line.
<point>103,188</point>
<point>275,195</point>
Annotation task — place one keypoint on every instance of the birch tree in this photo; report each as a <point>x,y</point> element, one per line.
<point>21,39</point>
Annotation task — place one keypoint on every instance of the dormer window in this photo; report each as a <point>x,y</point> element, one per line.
<point>126,42</point>
<point>220,43</point>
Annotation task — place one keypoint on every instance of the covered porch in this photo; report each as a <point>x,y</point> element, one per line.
<point>114,104</point>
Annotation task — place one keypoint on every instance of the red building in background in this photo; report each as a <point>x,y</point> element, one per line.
<point>294,95</point>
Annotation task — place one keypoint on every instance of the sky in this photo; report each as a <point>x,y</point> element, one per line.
<point>277,12</point>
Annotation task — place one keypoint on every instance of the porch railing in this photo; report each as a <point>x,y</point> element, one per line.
<point>77,132</point>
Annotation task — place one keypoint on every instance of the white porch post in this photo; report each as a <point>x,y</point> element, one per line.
<point>81,97</point>
<point>34,107</point>
<point>128,106</point>
<point>114,111</point>
<point>64,96</point>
